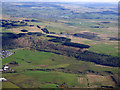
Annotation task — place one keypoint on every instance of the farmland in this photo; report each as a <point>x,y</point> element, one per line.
<point>71,47</point>
<point>44,72</point>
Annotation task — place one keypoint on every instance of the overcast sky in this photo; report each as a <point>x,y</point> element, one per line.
<point>61,0</point>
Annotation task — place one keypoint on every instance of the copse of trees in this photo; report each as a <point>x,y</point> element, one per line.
<point>76,45</point>
<point>45,30</point>
<point>9,36</point>
<point>12,24</point>
<point>51,36</point>
<point>114,39</point>
<point>14,63</point>
<point>98,58</point>
<point>26,20</point>
<point>52,32</point>
<point>33,20</point>
<point>38,26</point>
<point>31,25</point>
<point>24,30</point>
<point>21,34</point>
<point>60,40</point>
<point>35,33</point>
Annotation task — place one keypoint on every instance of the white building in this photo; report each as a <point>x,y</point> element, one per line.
<point>3,79</point>
<point>6,67</point>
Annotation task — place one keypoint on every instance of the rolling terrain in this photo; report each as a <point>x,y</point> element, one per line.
<point>60,45</point>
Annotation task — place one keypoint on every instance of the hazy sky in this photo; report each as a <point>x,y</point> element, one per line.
<point>62,0</point>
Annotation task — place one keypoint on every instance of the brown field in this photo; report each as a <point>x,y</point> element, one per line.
<point>82,81</point>
<point>95,78</point>
<point>100,80</point>
<point>41,65</point>
<point>30,29</point>
<point>103,66</point>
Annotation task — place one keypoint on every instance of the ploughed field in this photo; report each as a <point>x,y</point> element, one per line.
<point>75,46</point>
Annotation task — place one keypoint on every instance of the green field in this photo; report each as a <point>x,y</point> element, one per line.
<point>37,59</point>
<point>105,49</point>
<point>50,79</point>
<point>9,85</point>
<point>55,77</point>
<point>48,86</point>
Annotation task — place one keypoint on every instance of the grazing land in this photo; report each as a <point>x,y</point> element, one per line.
<point>74,46</point>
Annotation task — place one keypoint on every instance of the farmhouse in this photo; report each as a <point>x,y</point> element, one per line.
<point>3,79</point>
<point>6,67</point>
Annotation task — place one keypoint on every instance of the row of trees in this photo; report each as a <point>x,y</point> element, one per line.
<point>60,39</point>
<point>76,45</point>
<point>67,42</point>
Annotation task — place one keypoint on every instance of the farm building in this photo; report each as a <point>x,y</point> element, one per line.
<point>6,67</point>
<point>3,79</point>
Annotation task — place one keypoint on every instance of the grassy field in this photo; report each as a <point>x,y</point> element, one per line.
<point>48,60</point>
<point>38,58</point>
<point>54,77</point>
<point>44,60</point>
<point>21,80</point>
<point>86,66</point>
<point>9,85</point>
<point>105,49</point>
<point>48,86</point>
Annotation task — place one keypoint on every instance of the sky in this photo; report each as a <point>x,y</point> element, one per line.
<point>60,0</point>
